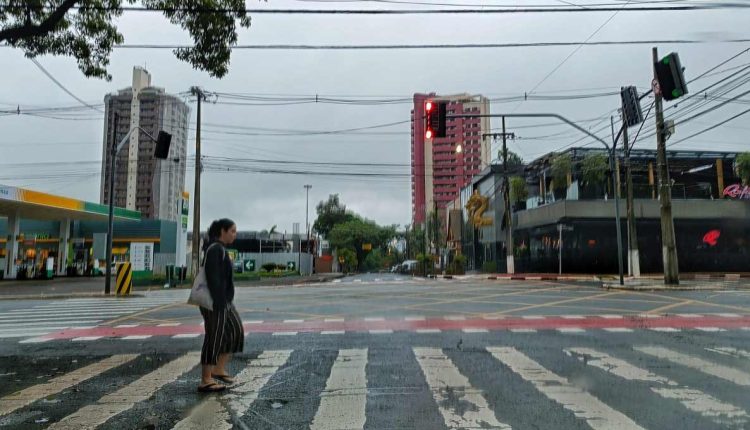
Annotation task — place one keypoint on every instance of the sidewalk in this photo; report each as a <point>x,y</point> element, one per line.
<point>60,288</point>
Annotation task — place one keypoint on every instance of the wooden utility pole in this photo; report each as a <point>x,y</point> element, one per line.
<point>668,243</point>
<point>196,252</point>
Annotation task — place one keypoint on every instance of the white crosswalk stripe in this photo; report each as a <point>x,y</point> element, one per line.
<point>695,400</point>
<point>730,374</point>
<point>446,381</point>
<point>597,414</point>
<point>54,316</point>
<point>29,395</point>
<point>212,414</point>
<point>91,416</point>
<point>343,402</point>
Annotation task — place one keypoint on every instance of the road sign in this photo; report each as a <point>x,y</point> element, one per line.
<point>124,279</point>
<point>366,247</point>
<point>142,256</point>
<point>250,265</point>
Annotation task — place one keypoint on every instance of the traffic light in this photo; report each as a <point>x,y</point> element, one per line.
<point>435,117</point>
<point>162,145</point>
<point>670,77</point>
<point>631,106</point>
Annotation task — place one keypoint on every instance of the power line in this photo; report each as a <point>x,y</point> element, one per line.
<point>711,127</point>
<point>437,46</point>
<point>49,75</point>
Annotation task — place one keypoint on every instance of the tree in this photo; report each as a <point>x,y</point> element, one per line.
<point>561,168</point>
<point>594,168</point>
<point>414,237</point>
<point>350,259</point>
<point>358,232</point>
<point>331,213</point>
<point>742,167</point>
<point>86,30</point>
<point>514,160</point>
<point>518,190</point>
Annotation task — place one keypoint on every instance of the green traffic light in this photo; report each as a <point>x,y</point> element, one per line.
<point>676,93</point>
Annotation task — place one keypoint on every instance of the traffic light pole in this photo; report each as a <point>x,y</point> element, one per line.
<point>611,152</point>
<point>509,261</point>
<point>634,264</point>
<point>669,246</point>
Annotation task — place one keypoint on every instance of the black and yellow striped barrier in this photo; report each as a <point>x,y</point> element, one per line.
<point>124,279</point>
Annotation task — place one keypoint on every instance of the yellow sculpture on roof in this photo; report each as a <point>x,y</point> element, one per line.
<point>476,206</point>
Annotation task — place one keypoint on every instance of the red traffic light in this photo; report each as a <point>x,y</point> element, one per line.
<point>428,106</point>
<point>428,134</point>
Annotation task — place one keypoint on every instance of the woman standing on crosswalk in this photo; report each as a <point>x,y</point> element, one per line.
<point>224,332</point>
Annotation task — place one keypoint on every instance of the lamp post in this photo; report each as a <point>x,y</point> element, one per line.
<point>162,150</point>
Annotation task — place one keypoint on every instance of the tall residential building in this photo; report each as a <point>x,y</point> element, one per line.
<point>438,170</point>
<point>143,183</point>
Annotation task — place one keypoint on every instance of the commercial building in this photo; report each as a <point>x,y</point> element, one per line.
<point>439,169</point>
<point>150,186</point>
<point>570,227</point>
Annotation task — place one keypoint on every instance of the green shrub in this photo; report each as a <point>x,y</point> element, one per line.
<point>269,267</point>
<point>489,267</point>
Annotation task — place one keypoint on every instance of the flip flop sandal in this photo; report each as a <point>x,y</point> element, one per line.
<point>224,378</point>
<point>211,388</point>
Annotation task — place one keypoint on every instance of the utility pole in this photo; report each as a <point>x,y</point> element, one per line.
<point>307,214</point>
<point>668,243</point>
<point>509,259</point>
<point>510,263</point>
<point>111,219</point>
<point>196,252</point>
<point>435,233</point>
<point>634,264</point>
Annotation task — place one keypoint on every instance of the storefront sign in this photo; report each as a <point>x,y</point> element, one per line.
<point>737,191</point>
<point>712,237</point>
<point>142,256</point>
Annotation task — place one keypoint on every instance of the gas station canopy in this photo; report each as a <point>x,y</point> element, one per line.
<point>36,205</point>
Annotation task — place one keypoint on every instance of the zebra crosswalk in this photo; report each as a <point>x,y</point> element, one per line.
<point>494,387</point>
<point>59,315</point>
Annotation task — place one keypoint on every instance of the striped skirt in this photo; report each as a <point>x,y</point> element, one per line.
<point>224,334</point>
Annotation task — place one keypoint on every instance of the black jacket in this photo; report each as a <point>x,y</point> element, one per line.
<point>219,275</point>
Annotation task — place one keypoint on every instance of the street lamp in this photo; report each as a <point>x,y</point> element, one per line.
<point>161,152</point>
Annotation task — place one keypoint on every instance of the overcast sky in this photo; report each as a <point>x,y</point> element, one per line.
<point>258,201</point>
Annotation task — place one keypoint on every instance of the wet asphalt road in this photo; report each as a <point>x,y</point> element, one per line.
<point>387,352</point>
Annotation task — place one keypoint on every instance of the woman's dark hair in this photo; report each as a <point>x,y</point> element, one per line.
<point>224,224</point>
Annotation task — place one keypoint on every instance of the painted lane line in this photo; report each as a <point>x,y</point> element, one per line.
<point>428,330</point>
<point>136,337</point>
<point>714,369</point>
<point>56,385</point>
<point>734,352</point>
<point>729,315</point>
<point>169,325</point>
<point>333,332</point>
<point>475,330</point>
<point>572,317</point>
<point>334,320</point>
<point>440,372</point>
<point>689,315</point>
<point>522,330</point>
<point>52,320</point>
<point>694,400</point>
<point>211,412</point>
<point>651,316</point>
<point>665,329</point>
<point>710,329</point>
<point>26,334</point>
<point>36,340</point>
<point>344,400</point>
<point>92,416</point>
<point>493,317</point>
<point>375,319</point>
<point>127,325</point>
<point>284,333</point>
<point>414,319</point>
<point>86,338</point>
<point>571,330</point>
<point>294,321</point>
<point>455,318</point>
<point>533,317</point>
<point>253,322</point>
<point>186,336</point>
<point>619,330</point>
<point>610,316</point>
<point>582,404</point>
<point>381,331</point>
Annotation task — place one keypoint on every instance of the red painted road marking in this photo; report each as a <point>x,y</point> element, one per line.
<point>548,323</point>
